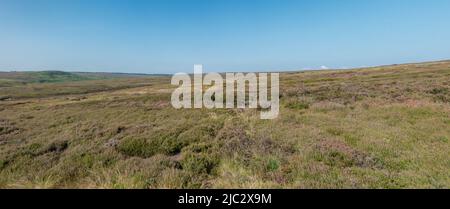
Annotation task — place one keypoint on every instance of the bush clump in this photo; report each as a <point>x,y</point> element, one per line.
<point>272,164</point>
<point>160,142</point>
<point>297,105</point>
<point>200,158</point>
<point>137,147</point>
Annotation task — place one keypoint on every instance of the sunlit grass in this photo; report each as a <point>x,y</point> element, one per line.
<point>385,127</point>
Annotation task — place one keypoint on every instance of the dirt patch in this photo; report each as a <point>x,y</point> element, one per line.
<point>113,142</point>
<point>416,103</point>
<point>7,129</point>
<point>57,147</point>
<point>159,105</point>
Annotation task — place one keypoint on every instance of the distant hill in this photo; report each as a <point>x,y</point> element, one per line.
<point>17,78</point>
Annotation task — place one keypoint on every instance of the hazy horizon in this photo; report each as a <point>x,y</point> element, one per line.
<point>206,71</point>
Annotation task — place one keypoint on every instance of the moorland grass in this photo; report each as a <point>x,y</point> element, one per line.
<point>383,127</point>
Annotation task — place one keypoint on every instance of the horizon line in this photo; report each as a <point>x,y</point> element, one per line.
<point>322,68</point>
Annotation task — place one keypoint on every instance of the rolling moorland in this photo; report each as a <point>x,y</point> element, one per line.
<point>380,127</point>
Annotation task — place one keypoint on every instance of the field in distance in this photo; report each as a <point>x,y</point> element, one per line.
<point>381,127</point>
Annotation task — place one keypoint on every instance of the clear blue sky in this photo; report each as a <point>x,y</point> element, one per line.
<point>169,36</point>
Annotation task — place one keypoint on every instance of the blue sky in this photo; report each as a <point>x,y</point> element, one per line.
<point>168,36</point>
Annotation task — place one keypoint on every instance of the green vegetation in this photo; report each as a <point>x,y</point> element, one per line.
<point>8,79</point>
<point>18,85</point>
<point>383,127</point>
<point>17,78</point>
